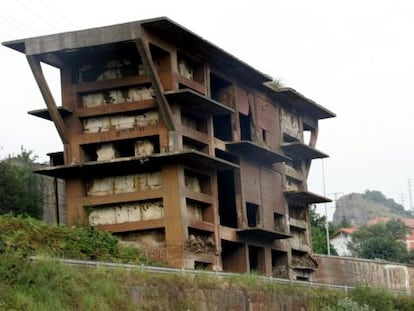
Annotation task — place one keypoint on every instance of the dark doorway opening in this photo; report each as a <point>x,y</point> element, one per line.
<point>245,129</point>
<point>227,198</point>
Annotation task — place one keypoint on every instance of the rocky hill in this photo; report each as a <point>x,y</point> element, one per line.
<point>358,208</point>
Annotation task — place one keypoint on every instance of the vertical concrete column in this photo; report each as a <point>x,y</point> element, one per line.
<point>76,214</point>
<point>174,213</point>
<point>241,219</point>
<point>163,137</point>
<point>210,131</point>
<point>268,271</point>
<point>218,265</point>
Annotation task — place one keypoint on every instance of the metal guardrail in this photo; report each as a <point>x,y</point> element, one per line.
<point>155,269</point>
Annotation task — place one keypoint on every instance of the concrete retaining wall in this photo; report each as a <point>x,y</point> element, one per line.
<point>354,271</point>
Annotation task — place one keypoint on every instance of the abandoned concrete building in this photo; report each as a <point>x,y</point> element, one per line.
<point>177,146</point>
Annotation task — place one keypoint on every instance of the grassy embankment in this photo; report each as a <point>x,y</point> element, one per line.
<point>49,285</point>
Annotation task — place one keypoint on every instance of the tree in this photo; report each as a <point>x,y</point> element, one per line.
<point>381,241</point>
<point>21,191</point>
<point>344,223</point>
<point>318,233</point>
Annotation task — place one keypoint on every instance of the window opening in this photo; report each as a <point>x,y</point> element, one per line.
<point>227,198</point>
<point>222,127</point>
<point>252,214</point>
<point>245,128</point>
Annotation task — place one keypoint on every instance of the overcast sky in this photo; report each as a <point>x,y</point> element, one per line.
<point>356,58</point>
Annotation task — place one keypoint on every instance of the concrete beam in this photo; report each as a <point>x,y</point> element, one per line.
<point>164,108</point>
<point>152,73</point>
<point>48,97</point>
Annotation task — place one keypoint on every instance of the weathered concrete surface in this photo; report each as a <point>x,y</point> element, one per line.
<point>354,271</point>
<point>126,212</point>
<point>173,298</point>
<point>54,200</point>
<point>114,97</point>
<point>119,122</point>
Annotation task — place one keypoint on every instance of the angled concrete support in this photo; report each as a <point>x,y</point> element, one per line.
<point>48,97</point>
<point>312,144</point>
<point>152,73</point>
<point>165,109</point>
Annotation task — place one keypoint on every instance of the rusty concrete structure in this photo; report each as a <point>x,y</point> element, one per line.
<point>175,145</point>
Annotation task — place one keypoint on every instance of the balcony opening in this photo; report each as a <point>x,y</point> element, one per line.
<point>252,212</point>
<point>199,211</point>
<point>295,165</point>
<point>200,265</point>
<point>190,68</point>
<point>197,182</point>
<point>297,212</point>
<point>161,58</point>
<point>256,259</point>
<point>227,198</point>
<point>222,90</point>
<point>56,158</point>
<point>192,144</point>
<point>289,139</point>
<point>279,264</point>
<point>227,156</point>
<point>279,221</point>
<point>264,136</point>
<point>303,263</point>
<point>245,127</point>
<point>106,62</point>
<point>200,241</point>
<point>299,241</point>
<point>222,127</point>
<point>233,257</point>
<point>122,148</point>
<point>193,122</point>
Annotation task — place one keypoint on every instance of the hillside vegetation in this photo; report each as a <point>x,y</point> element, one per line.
<point>30,237</point>
<point>27,284</point>
<point>21,191</point>
<point>357,208</point>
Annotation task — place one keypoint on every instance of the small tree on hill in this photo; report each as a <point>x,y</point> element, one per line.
<point>344,223</point>
<point>21,191</point>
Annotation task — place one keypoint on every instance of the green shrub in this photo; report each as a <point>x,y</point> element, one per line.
<point>403,302</point>
<point>378,299</point>
<point>347,304</point>
<point>34,237</point>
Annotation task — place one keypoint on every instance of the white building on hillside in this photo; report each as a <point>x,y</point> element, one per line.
<point>340,241</point>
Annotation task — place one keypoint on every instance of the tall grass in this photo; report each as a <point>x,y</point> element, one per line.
<point>50,285</point>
